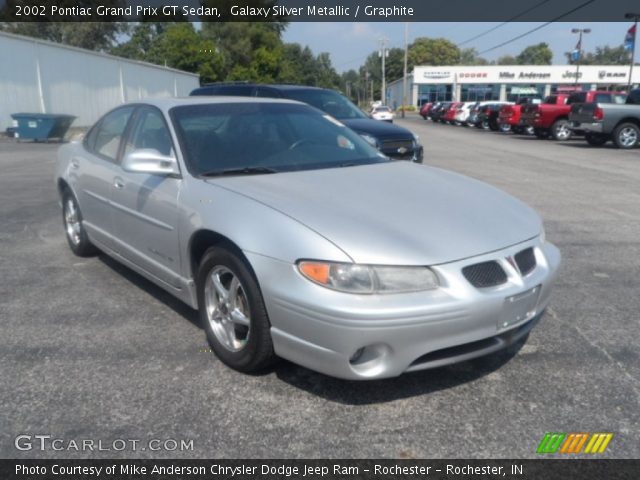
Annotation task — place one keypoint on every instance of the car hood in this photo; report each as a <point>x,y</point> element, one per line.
<point>376,128</point>
<point>397,213</point>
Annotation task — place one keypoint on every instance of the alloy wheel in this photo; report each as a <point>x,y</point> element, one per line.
<point>72,223</point>
<point>227,308</point>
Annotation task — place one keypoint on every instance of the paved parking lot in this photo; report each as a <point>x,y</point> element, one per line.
<point>90,350</point>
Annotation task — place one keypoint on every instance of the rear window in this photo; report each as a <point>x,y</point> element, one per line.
<point>577,98</point>
<point>231,90</point>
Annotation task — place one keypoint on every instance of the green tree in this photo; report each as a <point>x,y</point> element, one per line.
<point>244,43</point>
<point>433,51</point>
<point>539,54</point>
<point>351,85</point>
<point>604,55</point>
<point>142,38</point>
<point>469,56</point>
<point>506,60</point>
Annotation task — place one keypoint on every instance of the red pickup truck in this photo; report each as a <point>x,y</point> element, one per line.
<point>509,118</point>
<point>551,117</point>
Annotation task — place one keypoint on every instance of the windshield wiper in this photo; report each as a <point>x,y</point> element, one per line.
<point>239,171</point>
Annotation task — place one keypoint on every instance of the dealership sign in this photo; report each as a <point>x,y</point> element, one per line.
<point>527,74</point>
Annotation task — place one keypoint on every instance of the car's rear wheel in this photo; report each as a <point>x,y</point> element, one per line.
<point>595,139</point>
<point>232,311</point>
<point>560,130</point>
<point>74,229</point>
<point>505,127</point>
<point>626,135</point>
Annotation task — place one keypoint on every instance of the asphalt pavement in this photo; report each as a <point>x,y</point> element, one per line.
<point>91,351</point>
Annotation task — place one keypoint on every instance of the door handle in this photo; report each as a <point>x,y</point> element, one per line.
<point>75,163</point>
<point>118,183</point>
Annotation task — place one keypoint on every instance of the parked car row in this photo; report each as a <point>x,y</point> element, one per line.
<point>598,116</point>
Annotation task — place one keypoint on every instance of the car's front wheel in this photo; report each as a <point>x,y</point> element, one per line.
<point>232,311</point>
<point>75,232</point>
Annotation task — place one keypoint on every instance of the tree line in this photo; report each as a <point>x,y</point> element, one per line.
<point>255,51</point>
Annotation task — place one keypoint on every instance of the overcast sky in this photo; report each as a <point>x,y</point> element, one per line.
<point>350,43</point>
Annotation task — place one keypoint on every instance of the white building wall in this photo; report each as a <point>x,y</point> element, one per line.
<point>44,77</point>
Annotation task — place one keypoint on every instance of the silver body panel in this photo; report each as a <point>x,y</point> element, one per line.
<point>395,213</point>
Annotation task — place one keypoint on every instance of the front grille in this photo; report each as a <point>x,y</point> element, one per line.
<point>526,260</point>
<point>485,274</point>
<point>391,147</point>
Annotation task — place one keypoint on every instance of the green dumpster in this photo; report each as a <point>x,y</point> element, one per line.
<point>41,126</point>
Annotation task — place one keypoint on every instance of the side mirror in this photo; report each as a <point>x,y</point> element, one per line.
<point>151,161</point>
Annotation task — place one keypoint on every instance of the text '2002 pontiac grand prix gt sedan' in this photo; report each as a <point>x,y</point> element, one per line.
<point>295,238</point>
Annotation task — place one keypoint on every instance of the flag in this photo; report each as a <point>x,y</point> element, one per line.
<point>575,55</point>
<point>630,38</point>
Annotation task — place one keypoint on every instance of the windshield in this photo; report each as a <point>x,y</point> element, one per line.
<point>249,138</point>
<point>328,101</point>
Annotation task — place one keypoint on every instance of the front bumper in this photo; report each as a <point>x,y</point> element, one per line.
<point>322,329</point>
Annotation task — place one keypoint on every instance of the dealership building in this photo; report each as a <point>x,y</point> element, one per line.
<point>507,83</point>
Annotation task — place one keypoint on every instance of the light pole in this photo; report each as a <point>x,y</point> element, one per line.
<point>634,17</point>
<point>579,31</point>
<point>383,54</point>
<point>404,76</point>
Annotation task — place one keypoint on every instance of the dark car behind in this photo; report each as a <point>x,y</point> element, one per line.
<point>395,142</point>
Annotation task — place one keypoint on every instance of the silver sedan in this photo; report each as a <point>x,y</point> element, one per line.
<point>295,238</point>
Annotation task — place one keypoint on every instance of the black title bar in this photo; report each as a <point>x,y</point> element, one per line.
<point>317,10</point>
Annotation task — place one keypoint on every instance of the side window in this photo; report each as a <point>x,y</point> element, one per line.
<point>602,98</point>
<point>634,97</point>
<point>109,132</point>
<point>150,131</point>
<point>266,92</point>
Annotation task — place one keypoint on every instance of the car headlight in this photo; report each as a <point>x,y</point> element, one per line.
<point>372,140</point>
<point>368,279</point>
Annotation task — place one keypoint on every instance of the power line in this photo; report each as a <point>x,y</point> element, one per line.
<point>538,27</point>
<point>504,23</point>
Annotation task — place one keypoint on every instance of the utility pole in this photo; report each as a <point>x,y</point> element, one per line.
<point>366,88</point>
<point>634,17</point>
<point>404,78</point>
<point>383,53</point>
<point>580,31</point>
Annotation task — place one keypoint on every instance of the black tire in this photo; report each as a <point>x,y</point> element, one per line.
<point>505,127</point>
<point>541,133</point>
<point>493,126</point>
<point>255,352</point>
<point>75,232</point>
<point>626,135</point>
<point>560,130</point>
<point>596,140</point>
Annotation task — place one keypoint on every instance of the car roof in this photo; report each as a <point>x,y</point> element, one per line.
<point>166,103</point>
<point>278,86</point>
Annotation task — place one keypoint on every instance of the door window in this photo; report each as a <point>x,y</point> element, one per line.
<point>151,132</point>
<point>108,134</point>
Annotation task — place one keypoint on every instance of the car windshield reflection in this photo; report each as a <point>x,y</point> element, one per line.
<point>255,138</point>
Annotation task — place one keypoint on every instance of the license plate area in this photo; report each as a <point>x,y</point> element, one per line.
<point>519,308</point>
